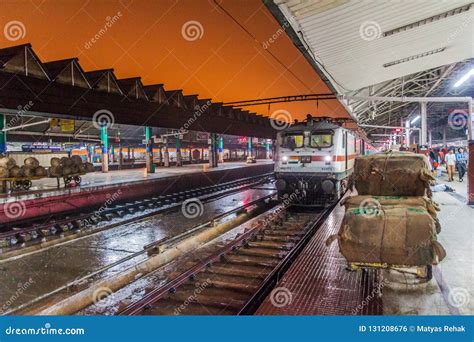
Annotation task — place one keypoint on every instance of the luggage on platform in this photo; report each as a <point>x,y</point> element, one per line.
<point>392,174</point>
<point>395,233</point>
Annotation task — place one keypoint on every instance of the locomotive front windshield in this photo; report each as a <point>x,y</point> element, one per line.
<point>321,139</point>
<point>293,140</point>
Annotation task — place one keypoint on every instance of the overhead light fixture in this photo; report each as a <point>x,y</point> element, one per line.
<point>464,78</point>
<point>428,20</point>
<point>415,120</point>
<point>411,58</point>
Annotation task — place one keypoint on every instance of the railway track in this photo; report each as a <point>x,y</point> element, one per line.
<point>237,277</point>
<point>17,235</point>
<point>258,205</point>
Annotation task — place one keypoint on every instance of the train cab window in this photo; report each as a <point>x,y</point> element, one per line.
<point>321,139</point>
<point>293,141</point>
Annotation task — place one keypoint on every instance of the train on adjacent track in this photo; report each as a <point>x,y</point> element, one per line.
<point>314,160</point>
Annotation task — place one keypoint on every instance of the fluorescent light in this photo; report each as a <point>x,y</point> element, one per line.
<point>411,58</point>
<point>464,78</point>
<point>428,20</point>
<point>415,120</point>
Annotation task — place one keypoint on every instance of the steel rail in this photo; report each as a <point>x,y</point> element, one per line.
<point>145,250</point>
<point>158,293</point>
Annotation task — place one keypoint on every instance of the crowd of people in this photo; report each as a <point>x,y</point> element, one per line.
<point>454,160</point>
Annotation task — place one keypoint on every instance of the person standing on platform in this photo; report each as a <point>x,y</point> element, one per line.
<point>461,163</point>
<point>450,164</point>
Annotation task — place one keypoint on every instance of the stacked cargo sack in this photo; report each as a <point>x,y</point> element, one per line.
<point>30,168</point>
<point>392,220</point>
<point>69,166</point>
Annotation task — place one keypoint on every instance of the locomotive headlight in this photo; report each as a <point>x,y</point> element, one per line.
<point>284,158</point>
<point>327,158</point>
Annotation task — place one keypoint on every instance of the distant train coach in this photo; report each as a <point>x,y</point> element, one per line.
<point>314,160</point>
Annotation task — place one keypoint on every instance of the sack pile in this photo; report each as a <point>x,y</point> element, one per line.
<point>69,166</point>
<point>30,168</point>
<point>6,164</point>
<point>391,221</point>
<point>392,174</point>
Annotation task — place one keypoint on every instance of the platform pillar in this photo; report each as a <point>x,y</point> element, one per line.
<point>120,156</point>
<point>90,153</point>
<point>221,149</point>
<point>470,169</point>
<point>105,148</point>
<point>407,132</point>
<point>424,125</point>
<point>212,151</point>
<point>149,151</point>
<point>444,136</point>
<point>179,161</point>
<point>267,149</point>
<point>166,154</point>
<point>112,153</point>
<point>3,135</point>
<point>249,146</point>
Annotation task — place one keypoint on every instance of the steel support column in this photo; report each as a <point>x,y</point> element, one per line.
<point>249,146</point>
<point>470,169</point>
<point>212,151</point>
<point>221,149</point>
<point>424,124</point>
<point>407,132</point>
<point>3,134</point>
<point>149,151</point>
<point>179,160</point>
<point>166,154</point>
<point>104,141</point>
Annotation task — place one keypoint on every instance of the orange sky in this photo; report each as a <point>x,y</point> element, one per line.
<point>225,64</point>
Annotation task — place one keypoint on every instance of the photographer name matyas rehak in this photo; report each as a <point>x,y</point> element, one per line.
<point>436,329</point>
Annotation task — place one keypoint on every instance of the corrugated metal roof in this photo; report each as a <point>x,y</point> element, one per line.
<point>347,37</point>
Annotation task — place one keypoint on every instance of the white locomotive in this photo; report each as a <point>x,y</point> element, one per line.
<point>314,160</point>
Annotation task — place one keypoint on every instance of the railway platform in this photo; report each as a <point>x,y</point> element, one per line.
<point>44,198</point>
<point>319,283</point>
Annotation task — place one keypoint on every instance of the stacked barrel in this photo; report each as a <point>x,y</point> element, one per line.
<point>392,220</point>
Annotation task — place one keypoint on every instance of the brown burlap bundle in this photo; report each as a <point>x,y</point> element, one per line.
<point>396,235</point>
<point>392,174</point>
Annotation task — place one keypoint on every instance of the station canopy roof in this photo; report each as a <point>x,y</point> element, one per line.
<point>386,48</point>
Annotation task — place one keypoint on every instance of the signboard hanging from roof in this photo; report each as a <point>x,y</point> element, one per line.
<point>67,125</point>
